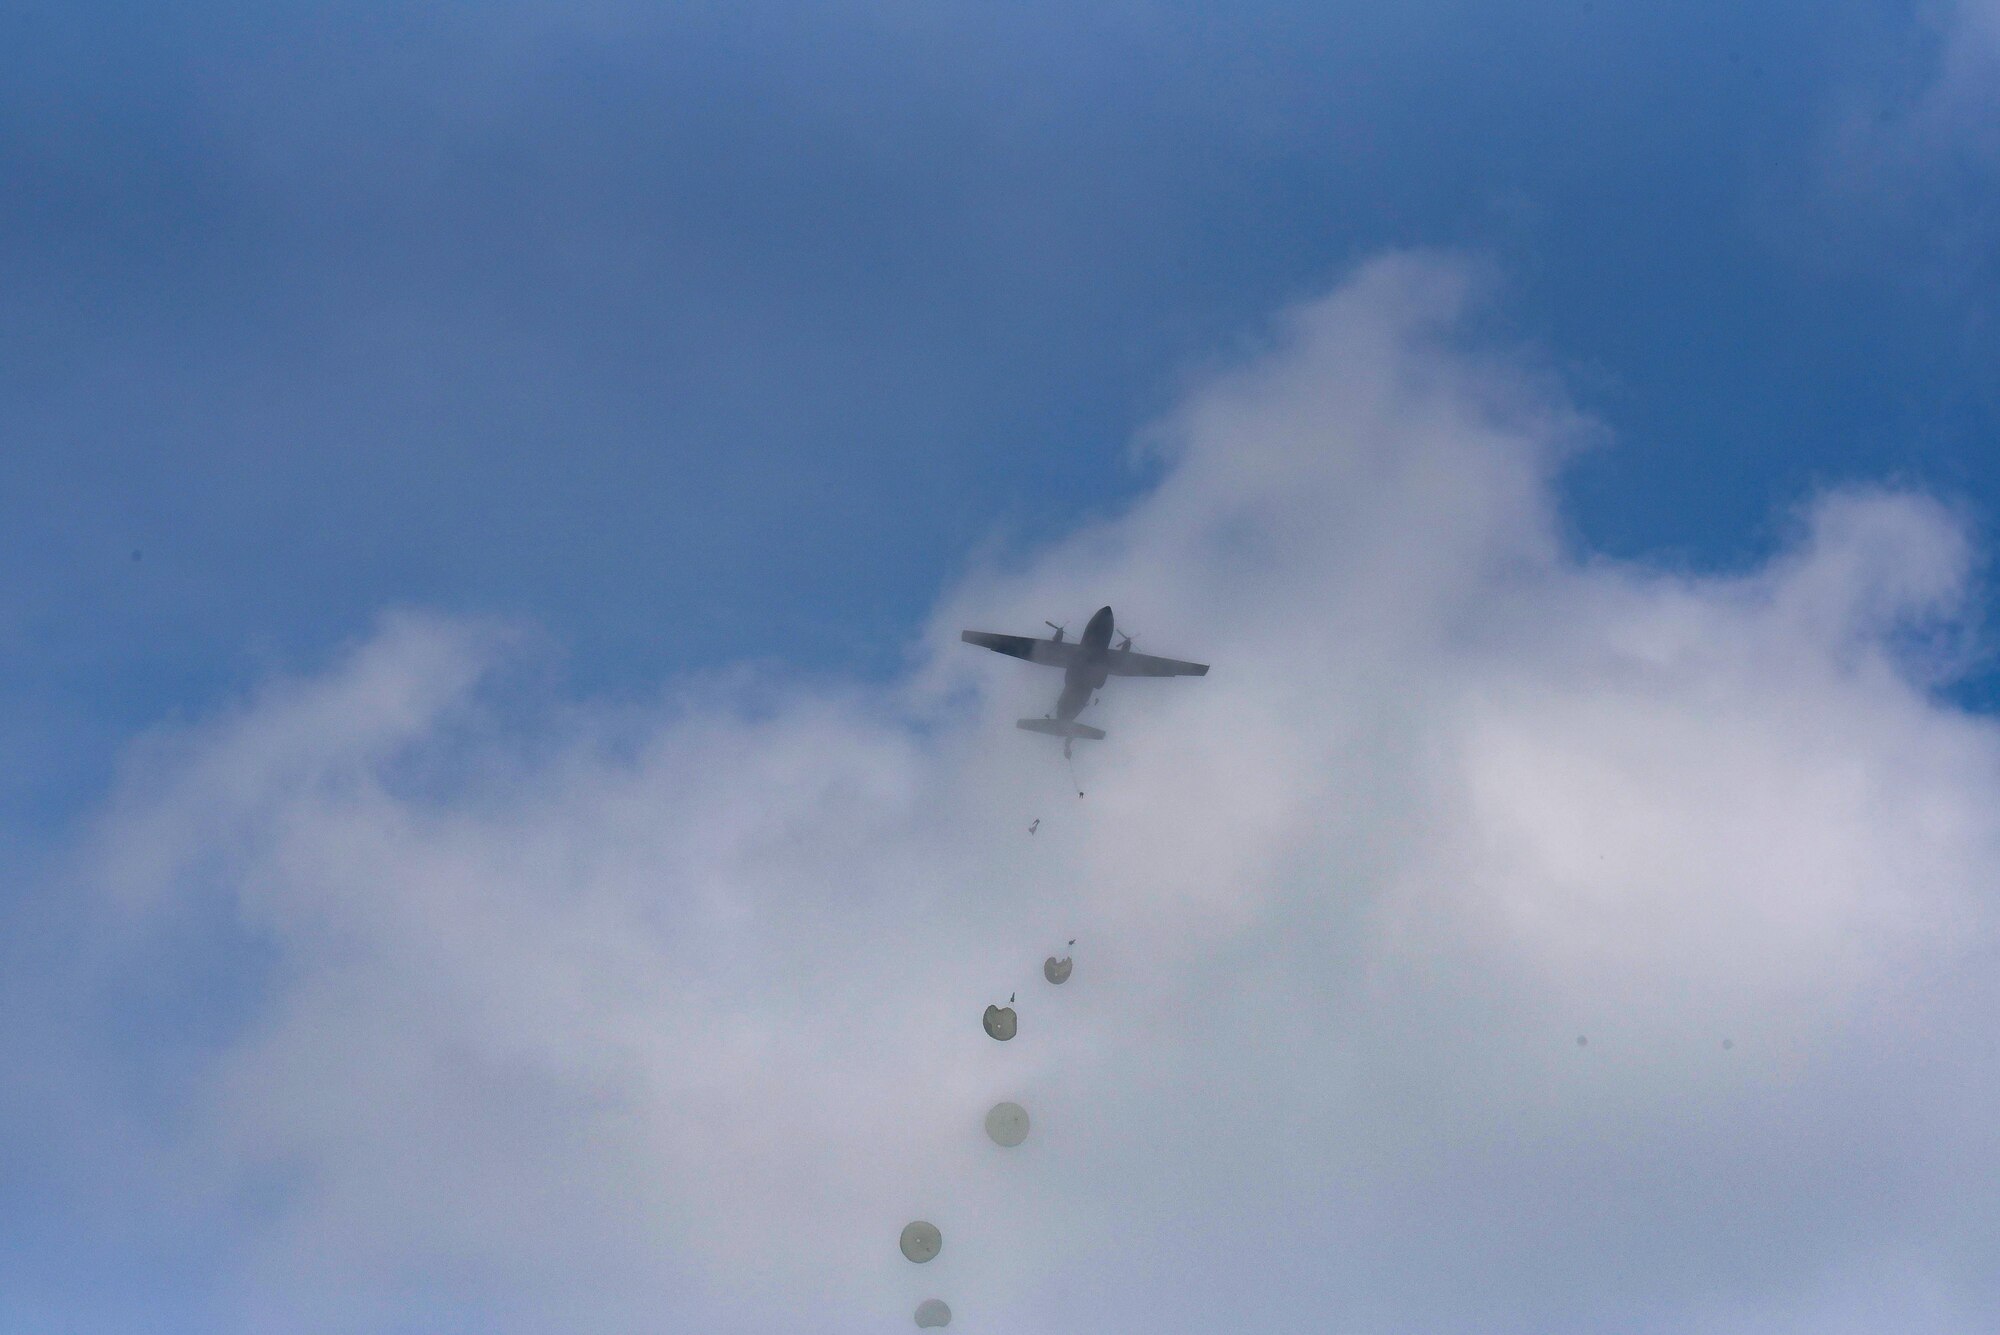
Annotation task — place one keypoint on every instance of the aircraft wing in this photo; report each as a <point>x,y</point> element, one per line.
<point>1125,663</point>
<point>1047,652</point>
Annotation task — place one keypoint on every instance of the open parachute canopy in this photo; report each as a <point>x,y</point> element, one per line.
<point>921,1241</point>
<point>1000,1022</point>
<point>1007,1124</point>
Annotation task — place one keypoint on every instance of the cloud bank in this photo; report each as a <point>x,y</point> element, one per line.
<point>1498,939</point>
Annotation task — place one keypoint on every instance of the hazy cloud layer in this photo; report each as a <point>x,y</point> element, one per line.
<point>1911,169</point>
<point>573,1015</point>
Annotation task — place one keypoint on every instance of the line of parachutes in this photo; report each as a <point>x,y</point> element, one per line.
<point>1006,1126</point>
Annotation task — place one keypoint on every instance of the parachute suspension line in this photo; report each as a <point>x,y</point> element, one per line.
<point>1072,771</point>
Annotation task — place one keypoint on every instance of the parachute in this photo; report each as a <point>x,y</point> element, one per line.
<point>921,1241</point>
<point>1000,1022</point>
<point>1007,1124</point>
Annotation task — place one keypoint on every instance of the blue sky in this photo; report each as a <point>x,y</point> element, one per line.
<point>732,332</point>
<point>693,336</point>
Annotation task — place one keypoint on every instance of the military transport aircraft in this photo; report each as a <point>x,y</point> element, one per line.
<point>1086,664</point>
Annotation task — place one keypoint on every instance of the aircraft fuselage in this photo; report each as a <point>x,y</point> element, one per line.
<point>1089,670</point>
<point>1087,663</point>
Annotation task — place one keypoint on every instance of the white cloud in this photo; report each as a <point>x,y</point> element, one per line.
<point>667,1018</point>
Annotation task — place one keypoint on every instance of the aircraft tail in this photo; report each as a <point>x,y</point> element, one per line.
<point>1057,727</point>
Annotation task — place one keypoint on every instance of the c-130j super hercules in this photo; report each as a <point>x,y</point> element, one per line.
<point>1086,664</point>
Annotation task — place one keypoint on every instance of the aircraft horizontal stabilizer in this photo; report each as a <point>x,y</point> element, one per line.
<point>1057,727</point>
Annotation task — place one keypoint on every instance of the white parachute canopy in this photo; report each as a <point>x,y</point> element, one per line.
<point>921,1241</point>
<point>1007,1124</point>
